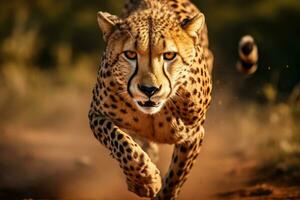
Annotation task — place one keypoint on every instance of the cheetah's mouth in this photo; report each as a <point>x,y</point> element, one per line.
<point>148,104</point>
<point>149,107</point>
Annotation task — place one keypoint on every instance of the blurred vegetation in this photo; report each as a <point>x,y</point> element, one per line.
<point>48,33</point>
<point>49,45</point>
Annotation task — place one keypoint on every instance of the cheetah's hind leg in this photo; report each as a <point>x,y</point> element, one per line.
<point>149,147</point>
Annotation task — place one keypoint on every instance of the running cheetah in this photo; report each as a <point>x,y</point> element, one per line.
<point>153,86</point>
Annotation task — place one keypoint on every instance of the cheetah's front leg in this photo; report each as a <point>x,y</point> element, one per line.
<point>183,158</point>
<point>142,176</point>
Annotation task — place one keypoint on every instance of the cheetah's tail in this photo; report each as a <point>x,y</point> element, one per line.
<point>248,55</point>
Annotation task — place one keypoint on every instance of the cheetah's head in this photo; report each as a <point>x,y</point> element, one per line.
<point>150,53</point>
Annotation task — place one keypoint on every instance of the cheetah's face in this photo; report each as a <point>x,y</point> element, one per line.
<point>151,58</point>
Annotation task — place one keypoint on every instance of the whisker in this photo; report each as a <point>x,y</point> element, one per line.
<point>122,92</point>
<point>171,101</point>
<point>179,96</point>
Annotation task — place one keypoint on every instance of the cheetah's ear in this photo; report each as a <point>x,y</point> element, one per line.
<point>194,26</point>
<point>107,23</point>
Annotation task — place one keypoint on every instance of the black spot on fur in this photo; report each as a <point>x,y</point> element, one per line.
<point>121,148</point>
<point>108,125</point>
<point>179,173</point>
<point>123,111</point>
<point>183,149</point>
<point>125,143</point>
<point>120,136</point>
<point>135,119</point>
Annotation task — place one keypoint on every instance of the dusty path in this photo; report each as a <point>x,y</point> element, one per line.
<point>73,165</point>
<point>65,161</point>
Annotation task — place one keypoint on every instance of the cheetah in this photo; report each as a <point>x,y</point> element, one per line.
<point>153,86</point>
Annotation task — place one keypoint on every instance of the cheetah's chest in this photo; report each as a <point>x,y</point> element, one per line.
<point>163,127</point>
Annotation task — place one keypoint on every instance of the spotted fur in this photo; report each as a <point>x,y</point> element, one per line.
<point>128,122</point>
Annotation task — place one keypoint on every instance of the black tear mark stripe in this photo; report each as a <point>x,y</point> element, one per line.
<point>130,79</point>
<point>170,84</point>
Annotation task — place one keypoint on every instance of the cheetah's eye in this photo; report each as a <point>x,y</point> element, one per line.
<point>131,55</point>
<point>170,56</point>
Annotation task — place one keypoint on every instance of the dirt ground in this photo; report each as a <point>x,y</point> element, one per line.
<point>61,159</point>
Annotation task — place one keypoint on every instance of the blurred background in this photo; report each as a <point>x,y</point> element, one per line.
<point>50,51</point>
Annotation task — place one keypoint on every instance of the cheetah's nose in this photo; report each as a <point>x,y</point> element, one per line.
<point>149,91</point>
